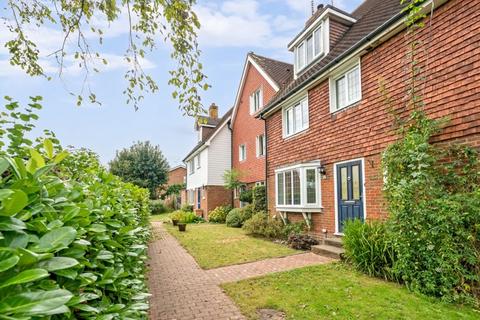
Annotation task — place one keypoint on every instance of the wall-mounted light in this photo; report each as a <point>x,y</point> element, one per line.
<point>322,171</point>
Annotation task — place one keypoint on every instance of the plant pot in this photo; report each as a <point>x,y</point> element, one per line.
<point>182,227</point>
<point>174,222</point>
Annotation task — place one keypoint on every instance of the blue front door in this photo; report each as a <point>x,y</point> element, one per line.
<point>199,197</point>
<point>350,192</point>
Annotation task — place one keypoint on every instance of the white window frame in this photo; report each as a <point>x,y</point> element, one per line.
<point>198,162</point>
<point>303,206</point>
<point>285,118</point>
<point>261,150</point>
<point>191,197</point>
<point>256,101</point>
<point>320,28</point>
<point>191,164</point>
<point>334,107</point>
<point>242,152</point>
<point>259,183</point>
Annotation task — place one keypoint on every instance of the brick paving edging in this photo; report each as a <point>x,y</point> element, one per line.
<point>181,290</point>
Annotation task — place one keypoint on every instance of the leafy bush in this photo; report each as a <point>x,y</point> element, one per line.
<point>246,196</point>
<point>187,208</point>
<point>185,217</point>
<point>259,195</point>
<point>260,224</point>
<point>369,249</point>
<point>234,218</point>
<point>433,195</point>
<point>300,241</point>
<point>158,207</point>
<point>294,228</point>
<point>246,213</point>
<point>219,214</point>
<point>73,237</point>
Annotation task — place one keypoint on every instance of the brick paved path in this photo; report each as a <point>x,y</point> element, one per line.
<point>181,290</point>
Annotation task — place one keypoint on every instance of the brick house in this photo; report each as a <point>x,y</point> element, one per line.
<point>327,128</point>
<point>208,161</point>
<point>261,79</point>
<point>177,176</point>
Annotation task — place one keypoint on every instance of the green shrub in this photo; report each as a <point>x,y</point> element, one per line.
<point>177,215</point>
<point>259,195</point>
<point>294,228</point>
<point>73,237</point>
<point>219,214</point>
<point>260,224</point>
<point>187,208</point>
<point>369,249</point>
<point>158,207</point>
<point>234,218</point>
<point>246,213</point>
<point>246,196</point>
<point>185,217</point>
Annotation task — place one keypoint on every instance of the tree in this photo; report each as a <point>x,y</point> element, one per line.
<point>231,178</point>
<point>83,26</point>
<point>142,164</point>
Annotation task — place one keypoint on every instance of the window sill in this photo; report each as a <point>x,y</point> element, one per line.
<point>352,105</point>
<point>299,209</point>
<point>292,136</point>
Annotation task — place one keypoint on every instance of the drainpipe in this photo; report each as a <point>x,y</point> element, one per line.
<point>266,158</point>
<point>232,201</point>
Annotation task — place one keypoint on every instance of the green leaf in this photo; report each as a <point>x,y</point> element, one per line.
<point>11,224</point>
<point>28,257</point>
<point>3,165</point>
<point>61,156</point>
<point>24,277</point>
<point>37,157</point>
<point>37,303</point>
<point>105,255</point>
<point>14,239</point>
<point>14,203</point>
<point>57,239</point>
<point>57,263</point>
<point>8,259</point>
<point>48,146</point>
<point>99,228</point>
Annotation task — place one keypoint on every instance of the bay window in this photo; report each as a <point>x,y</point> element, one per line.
<point>345,88</point>
<point>295,118</point>
<point>298,188</point>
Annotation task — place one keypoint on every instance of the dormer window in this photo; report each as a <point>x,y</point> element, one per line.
<point>256,101</point>
<point>309,49</point>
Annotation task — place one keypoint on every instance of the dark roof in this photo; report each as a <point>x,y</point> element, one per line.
<point>221,121</point>
<point>207,121</point>
<point>280,72</point>
<point>370,15</point>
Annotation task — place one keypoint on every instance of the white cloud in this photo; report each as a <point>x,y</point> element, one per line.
<point>241,24</point>
<point>298,5</point>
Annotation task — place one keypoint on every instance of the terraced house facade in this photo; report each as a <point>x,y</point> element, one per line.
<point>327,128</point>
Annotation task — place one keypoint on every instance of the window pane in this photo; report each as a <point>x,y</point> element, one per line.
<point>318,41</point>
<point>311,186</point>
<point>296,187</point>
<point>353,79</point>
<point>305,114</point>
<point>309,50</point>
<point>298,118</point>
<point>340,92</point>
<point>290,121</point>
<point>344,186</point>
<point>280,189</point>
<point>356,182</point>
<point>301,56</point>
<point>288,187</point>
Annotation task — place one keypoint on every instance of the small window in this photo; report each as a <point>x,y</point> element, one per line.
<point>309,46</point>
<point>260,145</point>
<point>345,89</point>
<point>300,56</point>
<point>309,49</point>
<point>296,118</point>
<point>256,101</point>
<point>198,162</point>
<point>317,43</point>
<point>242,153</point>
<point>191,164</point>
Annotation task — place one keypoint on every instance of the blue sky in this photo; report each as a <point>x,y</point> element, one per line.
<point>230,29</point>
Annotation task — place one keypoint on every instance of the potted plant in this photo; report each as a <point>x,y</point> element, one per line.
<point>182,226</point>
<point>175,222</point>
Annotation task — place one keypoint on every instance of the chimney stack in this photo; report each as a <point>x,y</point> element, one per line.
<point>213,111</point>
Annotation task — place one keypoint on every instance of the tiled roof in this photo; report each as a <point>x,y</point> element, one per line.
<point>370,15</point>
<point>221,121</point>
<point>280,72</point>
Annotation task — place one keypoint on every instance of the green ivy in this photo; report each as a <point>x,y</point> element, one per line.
<point>72,236</point>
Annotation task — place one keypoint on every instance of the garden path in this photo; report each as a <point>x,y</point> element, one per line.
<point>181,290</point>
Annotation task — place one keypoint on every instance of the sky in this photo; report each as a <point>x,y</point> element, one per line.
<point>229,30</point>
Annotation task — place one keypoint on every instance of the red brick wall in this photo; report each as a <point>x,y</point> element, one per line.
<point>246,128</point>
<point>364,130</point>
<point>177,176</point>
<point>212,197</point>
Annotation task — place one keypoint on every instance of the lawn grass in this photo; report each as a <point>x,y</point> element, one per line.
<point>333,291</point>
<point>216,245</point>
<point>160,217</point>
